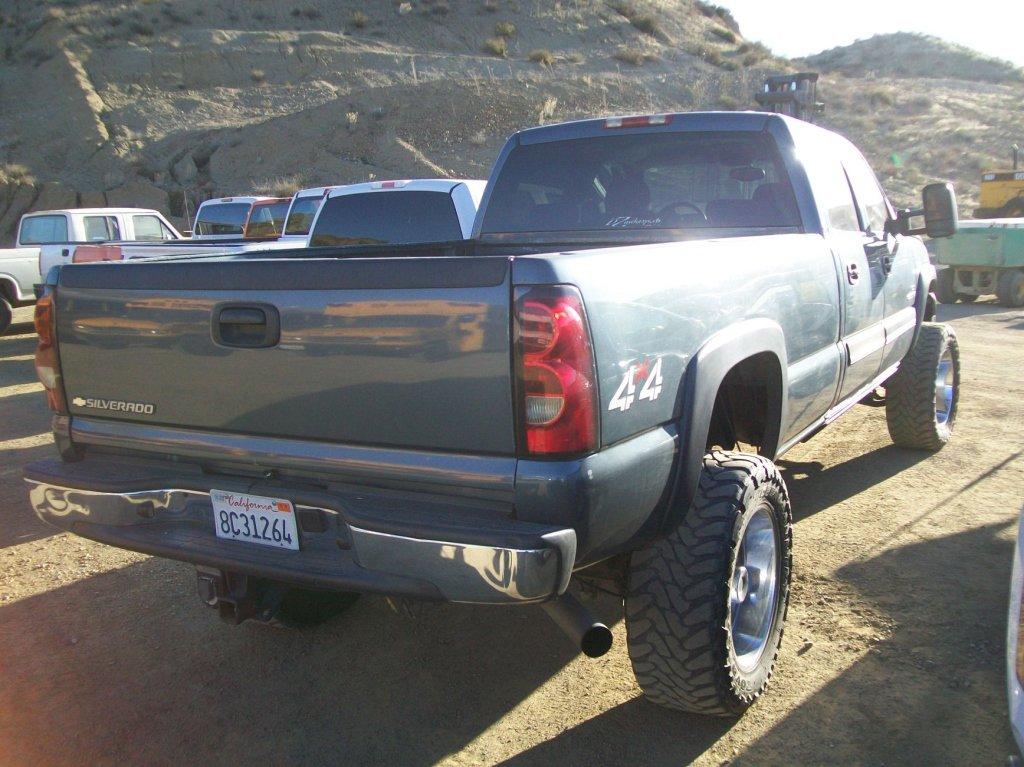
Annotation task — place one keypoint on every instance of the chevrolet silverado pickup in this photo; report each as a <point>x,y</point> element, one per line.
<point>650,311</point>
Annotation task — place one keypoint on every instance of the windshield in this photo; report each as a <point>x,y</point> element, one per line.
<point>41,230</point>
<point>300,219</point>
<point>387,218</point>
<point>222,218</point>
<point>643,181</point>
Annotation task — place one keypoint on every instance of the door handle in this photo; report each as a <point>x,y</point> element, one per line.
<point>887,263</point>
<point>241,315</point>
<point>246,326</point>
<point>852,273</point>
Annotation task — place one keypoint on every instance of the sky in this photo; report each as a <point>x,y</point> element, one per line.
<point>801,27</point>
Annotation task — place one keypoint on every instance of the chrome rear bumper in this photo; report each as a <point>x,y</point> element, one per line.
<point>495,563</point>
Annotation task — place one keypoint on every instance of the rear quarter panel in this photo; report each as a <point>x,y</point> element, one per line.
<point>662,302</point>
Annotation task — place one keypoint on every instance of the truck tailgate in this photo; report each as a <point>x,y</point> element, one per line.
<point>408,352</point>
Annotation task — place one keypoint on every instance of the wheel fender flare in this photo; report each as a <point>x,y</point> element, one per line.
<point>10,288</point>
<point>925,279</point>
<point>702,379</point>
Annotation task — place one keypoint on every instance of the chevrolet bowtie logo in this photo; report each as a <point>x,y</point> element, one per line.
<point>78,402</point>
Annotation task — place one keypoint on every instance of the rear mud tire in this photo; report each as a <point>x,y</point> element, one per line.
<point>944,289</point>
<point>681,598</point>
<point>913,412</point>
<point>1010,288</point>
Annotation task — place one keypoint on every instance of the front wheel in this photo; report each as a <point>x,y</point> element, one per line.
<point>705,606</point>
<point>921,399</point>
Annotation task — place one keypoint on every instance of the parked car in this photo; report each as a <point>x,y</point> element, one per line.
<point>49,237</point>
<point>304,207</point>
<point>266,219</point>
<point>651,310</point>
<point>397,212</point>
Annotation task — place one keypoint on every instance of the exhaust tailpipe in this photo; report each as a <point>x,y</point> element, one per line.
<point>592,636</point>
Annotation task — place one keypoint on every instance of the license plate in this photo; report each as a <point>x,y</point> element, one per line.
<point>254,519</point>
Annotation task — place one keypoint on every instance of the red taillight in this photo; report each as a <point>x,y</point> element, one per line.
<point>88,254</point>
<point>555,372</point>
<point>47,361</point>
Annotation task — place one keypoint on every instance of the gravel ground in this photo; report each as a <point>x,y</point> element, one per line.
<point>893,653</point>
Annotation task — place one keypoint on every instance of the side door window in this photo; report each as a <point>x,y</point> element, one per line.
<point>150,229</point>
<point>101,228</point>
<point>872,206</point>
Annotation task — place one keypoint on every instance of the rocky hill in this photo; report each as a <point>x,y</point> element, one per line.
<point>902,54</point>
<point>156,102</point>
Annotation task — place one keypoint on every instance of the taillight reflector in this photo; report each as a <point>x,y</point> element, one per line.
<point>47,361</point>
<point>555,374</point>
<point>88,254</point>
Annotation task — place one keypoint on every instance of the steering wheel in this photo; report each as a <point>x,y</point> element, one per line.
<point>673,207</point>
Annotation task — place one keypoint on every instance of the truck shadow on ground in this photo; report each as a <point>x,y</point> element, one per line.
<point>813,488</point>
<point>127,666</point>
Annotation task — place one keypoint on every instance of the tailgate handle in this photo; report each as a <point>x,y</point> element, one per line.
<point>246,326</point>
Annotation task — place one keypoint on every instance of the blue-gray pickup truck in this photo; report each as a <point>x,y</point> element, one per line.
<point>650,311</point>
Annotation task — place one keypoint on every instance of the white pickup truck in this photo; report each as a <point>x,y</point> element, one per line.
<point>50,237</point>
<point>398,212</point>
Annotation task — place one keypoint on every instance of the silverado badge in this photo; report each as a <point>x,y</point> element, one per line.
<point>115,405</point>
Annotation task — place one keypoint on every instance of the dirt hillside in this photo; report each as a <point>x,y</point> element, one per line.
<point>150,102</point>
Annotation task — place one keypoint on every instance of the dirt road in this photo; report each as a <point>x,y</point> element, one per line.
<point>893,655</point>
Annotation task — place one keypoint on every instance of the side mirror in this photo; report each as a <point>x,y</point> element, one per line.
<point>940,213</point>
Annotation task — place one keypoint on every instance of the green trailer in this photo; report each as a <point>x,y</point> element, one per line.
<point>984,257</point>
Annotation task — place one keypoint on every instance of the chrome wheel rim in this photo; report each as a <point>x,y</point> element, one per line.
<point>945,388</point>
<point>754,591</point>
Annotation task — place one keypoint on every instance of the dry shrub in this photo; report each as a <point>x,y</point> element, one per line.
<point>541,56</point>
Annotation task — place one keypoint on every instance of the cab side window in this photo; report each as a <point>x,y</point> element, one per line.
<point>101,228</point>
<point>871,202</point>
<point>150,228</point>
<point>836,199</point>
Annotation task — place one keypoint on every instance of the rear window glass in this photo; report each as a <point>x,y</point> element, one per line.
<point>303,211</point>
<point>267,220</point>
<point>386,218</point>
<point>643,181</point>
<point>41,230</point>
<point>222,218</point>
